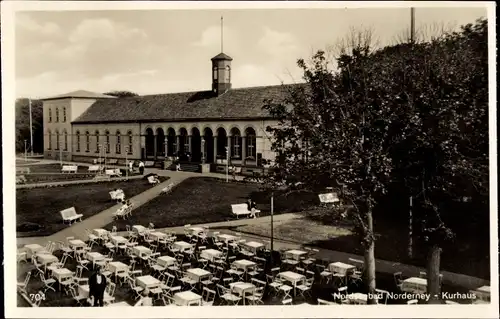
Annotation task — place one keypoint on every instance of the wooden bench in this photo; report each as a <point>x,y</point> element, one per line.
<point>242,209</point>
<point>70,215</point>
<point>117,195</point>
<point>94,168</point>
<point>69,169</point>
<point>329,198</point>
<point>113,161</point>
<point>149,163</point>
<point>113,172</point>
<point>23,170</point>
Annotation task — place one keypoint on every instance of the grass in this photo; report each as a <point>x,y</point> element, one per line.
<point>41,206</point>
<point>203,200</point>
<point>47,173</point>
<point>391,243</point>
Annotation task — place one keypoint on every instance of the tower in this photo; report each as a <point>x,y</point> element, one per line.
<point>221,67</point>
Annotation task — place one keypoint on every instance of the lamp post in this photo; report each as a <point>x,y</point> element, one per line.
<point>25,152</point>
<point>272,226</point>
<point>60,152</point>
<point>126,162</point>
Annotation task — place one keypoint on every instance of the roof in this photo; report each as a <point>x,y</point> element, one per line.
<point>80,94</point>
<point>222,56</point>
<point>244,103</point>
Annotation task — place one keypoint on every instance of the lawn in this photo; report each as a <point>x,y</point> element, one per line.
<point>37,209</point>
<point>204,200</point>
<point>46,173</point>
<point>391,243</point>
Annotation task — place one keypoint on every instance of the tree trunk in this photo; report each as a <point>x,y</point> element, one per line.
<point>370,261</point>
<point>433,281</point>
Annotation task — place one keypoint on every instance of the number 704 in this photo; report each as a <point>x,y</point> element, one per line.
<point>37,297</point>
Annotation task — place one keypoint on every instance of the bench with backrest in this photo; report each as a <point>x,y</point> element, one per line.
<point>113,172</point>
<point>94,168</point>
<point>149,163</point>
<point>70,215</point>
<point>23,170</point>
<point>117,195</point>
<point>329,198</point>
<point>69,169</point>
<point>242,210</point>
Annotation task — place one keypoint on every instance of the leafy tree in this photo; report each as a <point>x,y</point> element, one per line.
<point>336,132</point>
<point>22,126</point>
<point>121,94</point>
<point>444,85</point>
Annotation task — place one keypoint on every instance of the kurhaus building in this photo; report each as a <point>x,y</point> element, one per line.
<point>199,127</point>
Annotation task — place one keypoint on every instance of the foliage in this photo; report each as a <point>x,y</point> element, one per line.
<point>121,94</point>
<point>22,126</point>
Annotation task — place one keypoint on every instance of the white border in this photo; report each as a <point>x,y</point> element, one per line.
<point>8,100</point>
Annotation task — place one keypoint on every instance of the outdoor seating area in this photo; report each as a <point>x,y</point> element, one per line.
<point>197,267</point>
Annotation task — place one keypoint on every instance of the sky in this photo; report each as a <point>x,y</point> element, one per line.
<point>164,51</point>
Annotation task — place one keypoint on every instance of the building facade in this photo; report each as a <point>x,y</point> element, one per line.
<point>219,126</point>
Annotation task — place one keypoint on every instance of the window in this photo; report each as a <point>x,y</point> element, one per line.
<point>130,140</point>
<point>57,140</point>
<point>228,74</point>
<point>215,73</point>
<point>251,141</point>
<point>50,115</point>
<point>107,142</point>
<point>57,115</point>
<point>97,142</point>
<point>118,142</point>
<point>64,114</point>
<point>235,143</point>
<point>78,141</point>
<point>87,141</point>
<point>65,140</point>
<point>50,140</point>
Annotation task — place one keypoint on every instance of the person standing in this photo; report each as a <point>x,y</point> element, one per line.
<point>131,166</point>
<point>97,286</point>
<point>141,167</point>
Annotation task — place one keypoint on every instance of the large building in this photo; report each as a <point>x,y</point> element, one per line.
<point>199,127</point>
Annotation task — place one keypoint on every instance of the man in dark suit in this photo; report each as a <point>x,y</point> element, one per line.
<point>97,286</point>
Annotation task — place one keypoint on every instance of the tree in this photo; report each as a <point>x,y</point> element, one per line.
<point>336,132</point>
<point>444,84</point>
<point>121,94</point>
<point>22,125</point>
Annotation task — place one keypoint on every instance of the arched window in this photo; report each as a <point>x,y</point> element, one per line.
<point>235,143</point>
<point>78,141</point>
<point>251,141</point>
<point>87,141</point>
<point>97,146</point>
<point>50,140</point>
<point>228,74</point>
<point>118,142</point>
<point>216,73</point>
<point>108,148</point>
<point>64,114</point>
<point>65,140</point>
<point>130,140</point>
<point>57,115</point>
<point>50,115</point>
<point>57,140</point>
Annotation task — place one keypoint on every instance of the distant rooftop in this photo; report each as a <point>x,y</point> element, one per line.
<point>80,94</point>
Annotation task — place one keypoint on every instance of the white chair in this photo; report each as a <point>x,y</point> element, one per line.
<point>22,286</point>
<point>208,297</point>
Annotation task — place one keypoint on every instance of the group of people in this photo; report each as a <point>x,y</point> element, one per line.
<point>131,167</point>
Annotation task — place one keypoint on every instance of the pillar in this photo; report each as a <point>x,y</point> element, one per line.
<point>202,149</point>
<point>243,149</point>
<point>228,154</point>
<point>166,146</point>
<point>155,139</point>
<point>215,149</point>
<point>189,143</point>
<point>178,144</point>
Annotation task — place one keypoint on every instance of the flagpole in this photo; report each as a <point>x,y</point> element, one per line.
<point>31,129</point>
<point>412,26</point>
